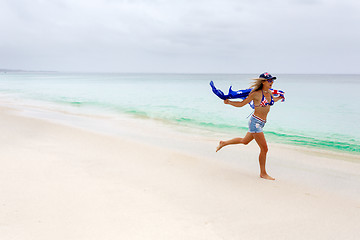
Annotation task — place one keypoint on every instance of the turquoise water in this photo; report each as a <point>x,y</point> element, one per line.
<point>320,110</point>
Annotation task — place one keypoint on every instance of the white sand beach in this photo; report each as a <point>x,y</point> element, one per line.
<point>64,182</point>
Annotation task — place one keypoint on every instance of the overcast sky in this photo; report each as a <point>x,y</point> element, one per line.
<point>181,36</point>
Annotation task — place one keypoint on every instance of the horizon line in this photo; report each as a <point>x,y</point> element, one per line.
<point>5,70</point>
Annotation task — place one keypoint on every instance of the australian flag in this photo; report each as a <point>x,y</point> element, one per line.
<point>243,94</point>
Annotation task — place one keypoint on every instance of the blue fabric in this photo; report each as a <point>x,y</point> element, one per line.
<point>243,94</point>
<point>218,92</point>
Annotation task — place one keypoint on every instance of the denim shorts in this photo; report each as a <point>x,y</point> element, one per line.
<point>256,124</point>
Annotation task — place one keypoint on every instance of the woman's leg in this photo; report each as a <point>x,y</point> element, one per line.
<point>245,140</point>
<point>261,141</point>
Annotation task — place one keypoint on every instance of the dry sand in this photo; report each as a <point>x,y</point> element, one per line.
<point>62,182</point>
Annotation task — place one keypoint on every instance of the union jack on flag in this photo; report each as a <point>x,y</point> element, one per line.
<point>278,93</point>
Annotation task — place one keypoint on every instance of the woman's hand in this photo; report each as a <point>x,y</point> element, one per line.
<point>277,99</point>
<point>240,104</point>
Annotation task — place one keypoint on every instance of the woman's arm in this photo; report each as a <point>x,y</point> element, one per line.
<point>242,103</point>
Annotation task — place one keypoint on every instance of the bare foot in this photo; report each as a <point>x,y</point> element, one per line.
<point>221,144</point>
<point>267,177</point>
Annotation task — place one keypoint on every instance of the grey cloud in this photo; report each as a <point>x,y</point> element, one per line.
<point>180,36</point>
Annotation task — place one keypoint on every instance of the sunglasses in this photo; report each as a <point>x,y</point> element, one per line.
<point>270,80</point>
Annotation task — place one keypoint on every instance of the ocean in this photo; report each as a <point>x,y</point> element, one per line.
<point>320,111</point>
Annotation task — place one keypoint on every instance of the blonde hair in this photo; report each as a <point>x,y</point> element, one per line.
<point>257,85</point>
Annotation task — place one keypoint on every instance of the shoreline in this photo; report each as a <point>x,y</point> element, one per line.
<point>70,116</point>
<point>67,182</point>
